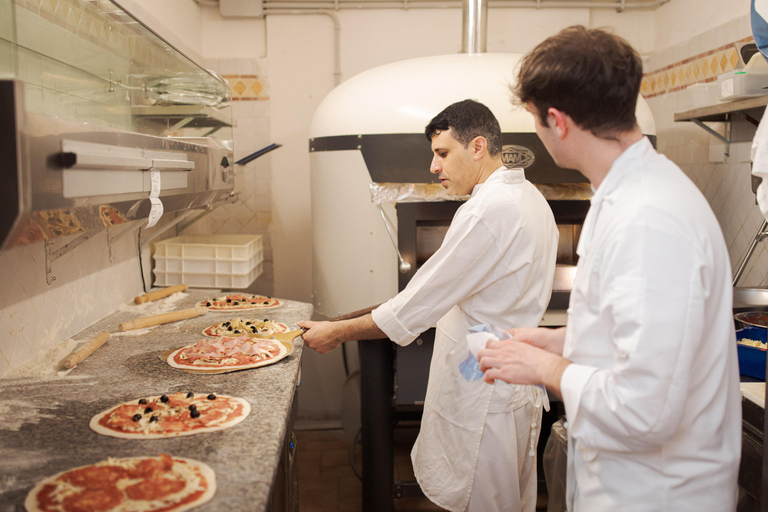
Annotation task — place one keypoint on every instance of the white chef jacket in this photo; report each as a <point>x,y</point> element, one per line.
<point>760,163</point>
<point>652,399</point>
<point>495,266</point>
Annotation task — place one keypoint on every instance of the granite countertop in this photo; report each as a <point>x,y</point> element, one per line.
<point>44,418</point>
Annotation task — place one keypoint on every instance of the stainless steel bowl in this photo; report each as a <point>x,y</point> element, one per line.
<point>755,298</point>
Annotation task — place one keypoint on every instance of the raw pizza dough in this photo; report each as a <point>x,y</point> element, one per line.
<point>174,416</point>
<point>227,353</point>
<point>239,302</point>
<point>170,484</point>
<point>238,326</point>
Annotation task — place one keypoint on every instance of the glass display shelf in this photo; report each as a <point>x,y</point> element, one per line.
<point>91,61</point>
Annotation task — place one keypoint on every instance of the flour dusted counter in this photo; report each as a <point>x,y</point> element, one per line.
<point>44,414</point>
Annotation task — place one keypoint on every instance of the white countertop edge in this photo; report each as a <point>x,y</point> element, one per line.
<point>754,391</point>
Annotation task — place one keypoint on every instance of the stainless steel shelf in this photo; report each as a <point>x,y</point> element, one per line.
<point>199,116</point>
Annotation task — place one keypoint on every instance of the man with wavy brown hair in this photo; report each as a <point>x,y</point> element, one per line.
<point>647,364</point>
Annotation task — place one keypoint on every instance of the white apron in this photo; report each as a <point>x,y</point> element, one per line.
<point>445,453</point>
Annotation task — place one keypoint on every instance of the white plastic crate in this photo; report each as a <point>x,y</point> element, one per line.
<point>220,261</point>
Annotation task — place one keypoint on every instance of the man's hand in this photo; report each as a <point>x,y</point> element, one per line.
<point>517,362</point>
<point>551,340</point>
<point>321,336</point>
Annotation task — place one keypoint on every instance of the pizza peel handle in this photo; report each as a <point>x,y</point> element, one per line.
<point>77,356</point>
<point>165,318</point>
<point>159,294</point>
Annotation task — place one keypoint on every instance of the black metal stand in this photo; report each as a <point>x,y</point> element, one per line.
<point>377,390</point>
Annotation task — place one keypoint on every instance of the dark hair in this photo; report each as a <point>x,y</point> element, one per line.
<point>589,74</point>
<point>468,119</point>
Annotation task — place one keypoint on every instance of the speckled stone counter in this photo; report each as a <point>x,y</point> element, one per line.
<point>44,419</point>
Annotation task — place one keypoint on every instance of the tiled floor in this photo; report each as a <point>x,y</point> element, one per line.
<point>327,482</point>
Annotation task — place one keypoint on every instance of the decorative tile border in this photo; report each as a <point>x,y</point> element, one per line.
<point>246,88</point>
<point>702,68</point>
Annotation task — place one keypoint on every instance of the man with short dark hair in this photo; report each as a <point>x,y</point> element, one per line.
<point>476,446</point>
<point>647,364</point>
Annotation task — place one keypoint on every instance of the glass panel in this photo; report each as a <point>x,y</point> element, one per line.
<point>7,38</point>
<point>90,61</point>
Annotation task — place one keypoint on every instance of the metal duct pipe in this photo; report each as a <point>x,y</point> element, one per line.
<point>337,5</point>
<point>474,30</point>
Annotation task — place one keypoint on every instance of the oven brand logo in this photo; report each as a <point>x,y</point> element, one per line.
<point>517,156</point>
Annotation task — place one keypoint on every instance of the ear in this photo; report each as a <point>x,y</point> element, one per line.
<point>479,147</point>
<point>558,121</point>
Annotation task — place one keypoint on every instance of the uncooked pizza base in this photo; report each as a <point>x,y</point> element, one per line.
<point>278,328</point>
<point>283,353</point>
<point>31,503</point>
<point>97,427</point>
<point>227,308</point>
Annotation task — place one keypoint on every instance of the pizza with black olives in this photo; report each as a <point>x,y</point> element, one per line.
<point>132,484</point>
<point>176,415</point>
<point>240,302</point>
<point>238,326</point>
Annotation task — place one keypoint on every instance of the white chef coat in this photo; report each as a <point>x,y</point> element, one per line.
<point>652,399</point>
<point>495,266</point>
<point>760,163</point>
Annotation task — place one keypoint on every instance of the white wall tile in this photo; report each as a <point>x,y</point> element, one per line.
<point>35,316</point>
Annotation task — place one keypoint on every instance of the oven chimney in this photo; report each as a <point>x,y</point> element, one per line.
<point>474,31</point>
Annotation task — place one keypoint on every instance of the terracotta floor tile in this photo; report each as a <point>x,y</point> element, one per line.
<point>350,486</point>
<point>351,504</point>
<point>313,484</point>
<point>327,482</point>
<point>335,458</point>
<point>319,500</point>
<point>308,469</point>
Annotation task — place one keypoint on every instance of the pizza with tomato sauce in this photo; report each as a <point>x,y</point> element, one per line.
<point>176,415</point>
<point>250,327</point>
<point>227,353</point>
<point>147,484</point>
<point>239,302</point>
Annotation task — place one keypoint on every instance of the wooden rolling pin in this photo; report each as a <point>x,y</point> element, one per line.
<point>159,294</point>
<point>165,318</point>
<point>77,356</point>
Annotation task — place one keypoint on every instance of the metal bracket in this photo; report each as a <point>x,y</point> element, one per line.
<point>722,138</point>
<point>168,226</point>
<point>403,489</point>
<point>178,126</point>
<point>51,256</point>
<point>109,245</point>
<point>762,234</point>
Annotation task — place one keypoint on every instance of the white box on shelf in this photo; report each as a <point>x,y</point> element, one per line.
<point>740,84</point>
<point>215,261</point>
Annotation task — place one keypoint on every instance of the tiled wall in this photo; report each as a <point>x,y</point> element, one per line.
<point>36,317</point>
<point>251,212</point>
<point>697,69</point>
<point>671,85</point>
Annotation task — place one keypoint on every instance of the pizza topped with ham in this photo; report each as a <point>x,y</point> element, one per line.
<point>176,415</point>
<point>239,302</point>
<point>227,353</point>
<point>239,326</point>
<point>152,484</point>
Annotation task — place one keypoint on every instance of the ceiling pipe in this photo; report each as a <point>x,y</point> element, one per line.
<point>336,33</point>
<point>474,30</point>
<point>336,5</point>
